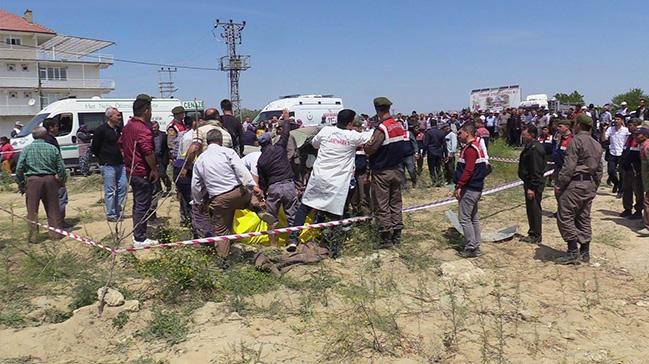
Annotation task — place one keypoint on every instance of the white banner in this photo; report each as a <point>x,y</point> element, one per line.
<point>495,99</point>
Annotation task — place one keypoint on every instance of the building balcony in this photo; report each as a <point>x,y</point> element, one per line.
<point>19,110</point>
<point>34,54</point>
<point>70,83</point>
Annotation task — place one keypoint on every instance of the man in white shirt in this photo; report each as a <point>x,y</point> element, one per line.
<point>250,161</point>
<point>221,183</point>
<point>451,150</point>
<point>333,169</point>
<point>616,136</point>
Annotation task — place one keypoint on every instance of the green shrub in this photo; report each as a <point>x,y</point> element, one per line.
<point>168,326</point>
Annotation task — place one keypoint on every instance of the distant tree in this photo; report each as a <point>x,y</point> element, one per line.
<point>632,98</point>
<point>249,113</point>
<point>570,99</point>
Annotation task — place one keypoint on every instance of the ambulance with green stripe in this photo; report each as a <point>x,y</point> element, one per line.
<point>71,113</point>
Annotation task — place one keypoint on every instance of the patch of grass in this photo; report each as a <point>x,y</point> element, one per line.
<point>609,238</point>
<point>54,316</point>
<point>168,326</point>
<point>120,320</point>
<point>245,280</point>
<point>91,183</point>
<point>181,271</point>
<point>415,258</point>
<point>44,268</point>
<point>143,360</point>
<point>240,354</point>
<point>12,319</point>
<point>361,239</point>
<point>315,289</point>
<point>85,293</point>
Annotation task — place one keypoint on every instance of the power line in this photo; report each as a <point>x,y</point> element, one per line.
<point>128,60</point>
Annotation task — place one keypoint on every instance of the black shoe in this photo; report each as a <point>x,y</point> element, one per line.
<point>386,240</point>
<point>584,252</point>
<point>531,239</point>
<point>625,213</point>
<point>614,189</point>
<point>571,258</point>
<point>67,225</point>
<point>636,215</point>
<point>469,253</point>
<point>396,237</point>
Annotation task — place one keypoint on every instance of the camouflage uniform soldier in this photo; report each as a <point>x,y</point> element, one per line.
<point>576,188</point>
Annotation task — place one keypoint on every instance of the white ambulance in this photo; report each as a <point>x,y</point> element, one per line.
<point>71,113</point>
<point>311,109</point>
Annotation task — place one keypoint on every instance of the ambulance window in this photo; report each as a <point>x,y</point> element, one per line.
<point>65,124</point>
<point>292,113</point>
<point>92,120</point>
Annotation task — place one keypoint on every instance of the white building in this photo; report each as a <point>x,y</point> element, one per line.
<point>38,67</point>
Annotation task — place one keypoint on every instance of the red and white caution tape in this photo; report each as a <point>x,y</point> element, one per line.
<point>213,240</point>
<point>67,234</point>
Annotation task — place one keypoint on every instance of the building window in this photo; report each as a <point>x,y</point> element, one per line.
<point>13,40</point>
<point>53,73</point>
<point>24,67</point>
<point>11,67</point>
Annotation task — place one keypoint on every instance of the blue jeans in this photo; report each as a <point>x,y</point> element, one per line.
<point>114,189</point>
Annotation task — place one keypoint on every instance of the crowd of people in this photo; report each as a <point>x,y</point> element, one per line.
<point>356,167</point>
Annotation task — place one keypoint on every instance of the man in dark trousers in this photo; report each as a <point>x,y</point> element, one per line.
<point>386,149</point>
<point>436,153</point>
<point>40,173</point>
<point>576,188</point>
<point>531,166</point>
<point>233,126</point>
<point>136,143</point>
<point>276,177</point>
<point>52,127</point>
<point>161,151</point>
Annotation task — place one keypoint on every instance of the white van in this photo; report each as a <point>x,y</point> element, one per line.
<point>92,112</point>
<point>311,109</point>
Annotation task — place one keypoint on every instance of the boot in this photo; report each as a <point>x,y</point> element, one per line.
<point>572,255</point>
<point>396,237</point>
<point>386,240</point>
<point>584,252</point>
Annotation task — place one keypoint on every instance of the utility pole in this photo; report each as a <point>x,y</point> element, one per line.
<point>233,63</point>
<point>167,88</point>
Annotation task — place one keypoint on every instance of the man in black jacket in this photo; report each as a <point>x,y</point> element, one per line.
<point>276,177</point>
<point>436,152</point>
<point>232,125</point>
<point>530,170</point>
<point>111,163</point>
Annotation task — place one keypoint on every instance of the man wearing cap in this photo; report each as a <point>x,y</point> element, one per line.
<point>17,128</point>
<point>631,175</point>
<point>386,150</point>
<point>576,188</point>
<point>175,127</point>
<point>616,136</point>
<point>624,110</point>
<point>276,177</point>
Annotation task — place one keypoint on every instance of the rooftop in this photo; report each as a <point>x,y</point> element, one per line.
<point>15,23</point>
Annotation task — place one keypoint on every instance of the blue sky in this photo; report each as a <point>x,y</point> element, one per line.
<point>423,55</point>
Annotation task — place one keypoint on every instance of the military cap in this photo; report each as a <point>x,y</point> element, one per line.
<point>178,110</point>
<point>584,120</point>
<point>564,122</point>
<point>144,97</point>
<point>382,102</point>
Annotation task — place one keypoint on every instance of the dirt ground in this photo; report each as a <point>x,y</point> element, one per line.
<point>416,303</point>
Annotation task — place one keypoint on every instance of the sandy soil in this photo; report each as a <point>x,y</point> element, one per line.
<point>419,303</point>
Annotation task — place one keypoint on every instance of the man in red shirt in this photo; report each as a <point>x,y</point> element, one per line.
<point>136,143</point>
<point>7,154</point>
<point>469,179</point>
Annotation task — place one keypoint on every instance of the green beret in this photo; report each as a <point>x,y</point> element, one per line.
<point>564,122</point>
<point>382,102</point>
<point>178,110</point>
<point>583,119</point>
<point>144,97</point>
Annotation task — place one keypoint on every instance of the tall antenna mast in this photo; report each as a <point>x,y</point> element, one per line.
<point>233,63</point>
